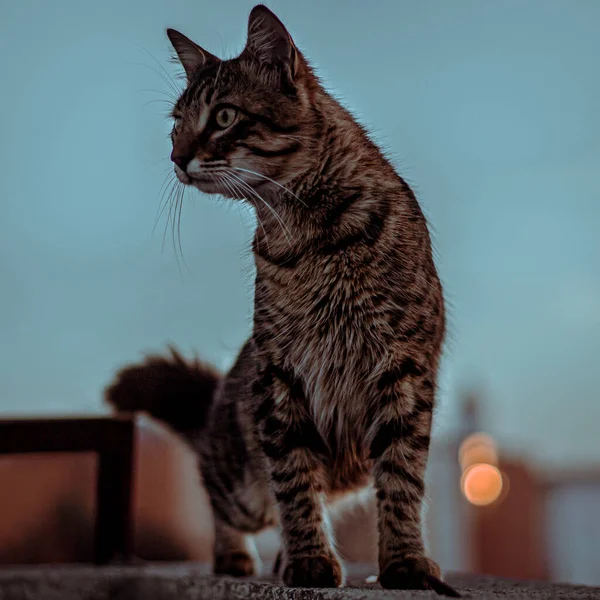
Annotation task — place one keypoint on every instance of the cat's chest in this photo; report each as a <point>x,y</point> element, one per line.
<point>325,326</point>
<point>325,329</point>
<point>318,315</point>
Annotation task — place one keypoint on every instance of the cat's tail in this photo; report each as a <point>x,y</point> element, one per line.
<point>174,390</point>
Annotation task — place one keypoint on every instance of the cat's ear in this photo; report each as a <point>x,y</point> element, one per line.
<point>192,57</point>
<point>269,41</point>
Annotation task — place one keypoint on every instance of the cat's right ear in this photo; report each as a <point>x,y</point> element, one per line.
<point>192,57</point>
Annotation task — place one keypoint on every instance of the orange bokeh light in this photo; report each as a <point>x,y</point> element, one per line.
<point>481,484</point>
<point>477,448</point>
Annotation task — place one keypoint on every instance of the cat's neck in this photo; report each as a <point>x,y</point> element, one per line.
<point>347,169</point>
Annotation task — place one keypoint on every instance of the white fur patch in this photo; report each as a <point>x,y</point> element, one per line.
<point>194,167</point>
<point>203,119</point>
<point>181,175</point>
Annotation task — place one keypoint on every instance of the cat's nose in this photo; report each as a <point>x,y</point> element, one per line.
<point>181,160</point>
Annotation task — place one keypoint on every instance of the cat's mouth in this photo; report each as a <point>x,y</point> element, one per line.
<point>213,181</point>
<point>207,183</point>
<point>199,180</point>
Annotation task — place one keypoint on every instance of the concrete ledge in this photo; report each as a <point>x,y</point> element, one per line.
<point>194,582</point>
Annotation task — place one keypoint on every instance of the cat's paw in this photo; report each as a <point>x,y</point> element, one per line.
<point>313,572</point>
<point>238,564</point>
<point>415,573</point>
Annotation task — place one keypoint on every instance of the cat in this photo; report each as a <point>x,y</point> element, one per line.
<point>335,389</point>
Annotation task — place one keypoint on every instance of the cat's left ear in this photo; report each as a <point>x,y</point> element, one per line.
<point>193,58</point>
<point>269,41</point>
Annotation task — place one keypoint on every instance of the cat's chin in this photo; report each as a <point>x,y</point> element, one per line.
<point>209,187</point>
<point>206,185</point>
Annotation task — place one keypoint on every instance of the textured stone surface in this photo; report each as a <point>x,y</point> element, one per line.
<point>193,582</point>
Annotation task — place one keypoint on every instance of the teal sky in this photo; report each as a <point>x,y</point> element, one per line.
<point>490,110</point>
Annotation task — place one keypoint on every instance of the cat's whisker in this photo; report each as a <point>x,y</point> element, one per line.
<point>174,221</point>
<point>172,89</point>
<point>181,200</point>
<point>165,193</point>
<point>168,177</point>
<point>166,77</point>
<point>168,94</point>
<point>171,201</point>
<point>167,186</point>
<point>255,173</point>
<point>229,185</point>
<point>174,199</point>
<point>243,185</point>
<point>246,186</point>
<point>260,223</point>
<point>284,227</point>
<point>224,184</point>
<point>231,190</point>
<point>232,186</point>
<point>176,208</point>
<point>218,73</point>
<point>168,203</point>
<point>169,103</point>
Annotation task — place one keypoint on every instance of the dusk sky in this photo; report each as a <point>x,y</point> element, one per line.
<point>489,109</point>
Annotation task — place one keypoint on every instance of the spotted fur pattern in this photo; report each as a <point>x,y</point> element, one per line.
<point>335,390</point>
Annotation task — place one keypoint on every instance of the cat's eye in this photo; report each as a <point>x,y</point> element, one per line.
<point>225,117</point>
<point>177,123</point>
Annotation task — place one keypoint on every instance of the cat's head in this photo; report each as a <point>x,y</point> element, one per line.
<point>244,123</point>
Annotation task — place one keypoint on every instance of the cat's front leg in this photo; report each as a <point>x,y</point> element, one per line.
<point>399,445</point>
<point>294,452</point>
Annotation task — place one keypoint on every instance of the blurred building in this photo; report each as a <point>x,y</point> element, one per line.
<point>495,514</point>
<point>573,527</point>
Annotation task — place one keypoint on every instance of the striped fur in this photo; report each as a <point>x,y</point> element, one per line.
<point>335,390</point>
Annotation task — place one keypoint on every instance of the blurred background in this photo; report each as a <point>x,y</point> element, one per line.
<point>489,110</point>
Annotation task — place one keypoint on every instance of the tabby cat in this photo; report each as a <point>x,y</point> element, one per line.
<point>335,389</point>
